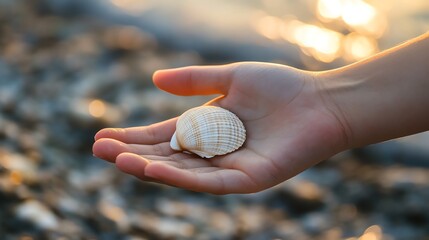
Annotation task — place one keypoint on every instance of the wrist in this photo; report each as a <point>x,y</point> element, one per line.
<point>333,88</point>
<point>383,97</point>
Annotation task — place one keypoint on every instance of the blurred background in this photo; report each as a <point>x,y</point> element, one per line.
<point>71,67</point>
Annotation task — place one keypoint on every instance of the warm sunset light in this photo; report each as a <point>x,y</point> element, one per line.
<point>357,46</point>
<point>321,43</point>
<point>352,12</point>
<point>187,119</point>
<point>269,26</point>
<point>330,9</point>
<point>321,39</point>
<point>97,108</point>
<point>363,21</point>
<point>357,12</point>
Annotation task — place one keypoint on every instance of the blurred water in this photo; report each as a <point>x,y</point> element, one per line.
<point>344,25</point>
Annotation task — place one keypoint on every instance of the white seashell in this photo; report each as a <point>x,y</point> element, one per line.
<point>208,131</point>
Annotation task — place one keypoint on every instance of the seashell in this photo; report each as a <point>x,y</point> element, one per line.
<point>208,131</point>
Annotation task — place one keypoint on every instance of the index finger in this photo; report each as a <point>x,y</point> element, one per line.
<point>152,134</point>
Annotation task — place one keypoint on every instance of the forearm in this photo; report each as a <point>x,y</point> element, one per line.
<point>383,97</point>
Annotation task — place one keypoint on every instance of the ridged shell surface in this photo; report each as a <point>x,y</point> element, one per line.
<point>208,131</point>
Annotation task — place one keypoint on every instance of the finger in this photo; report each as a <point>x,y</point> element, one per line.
<point>152,134</point>
<point>109,149</point>
<point>195,80</point>
<point>133,164</point>
<point>180,160</point>
<point>220,181</point>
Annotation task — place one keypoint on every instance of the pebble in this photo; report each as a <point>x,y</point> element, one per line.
<point>82,180</point>
<point>38,214</point>
<point>401,177</point>
<point>163,227</point>
<point>19,167</point>
<point>302,196</point>
<point>316,223</point>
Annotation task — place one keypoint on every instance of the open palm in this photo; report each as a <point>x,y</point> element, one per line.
<point>290,126</point>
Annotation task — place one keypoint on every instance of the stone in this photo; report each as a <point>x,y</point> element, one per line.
<point>38,214</point>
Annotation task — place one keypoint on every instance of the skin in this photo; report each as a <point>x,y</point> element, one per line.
<point>294,119</point>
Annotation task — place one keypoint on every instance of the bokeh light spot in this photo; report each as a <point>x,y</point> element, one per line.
<point>329,9</point>
<point>97,108</point>
<point>357,46</point>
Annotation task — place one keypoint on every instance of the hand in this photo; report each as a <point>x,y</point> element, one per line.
<point>291,125</point>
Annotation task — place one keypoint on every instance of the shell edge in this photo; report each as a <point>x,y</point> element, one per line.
<point>174,144</point>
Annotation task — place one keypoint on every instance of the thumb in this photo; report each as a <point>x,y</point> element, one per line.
<point>195,80</point>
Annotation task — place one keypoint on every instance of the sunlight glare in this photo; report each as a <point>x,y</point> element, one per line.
<point>329,9</point>
<point>288,29</point>
<point>321,43</point>
<point>358,46</point>
<point>357,12</point>
<point>269,27</point>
